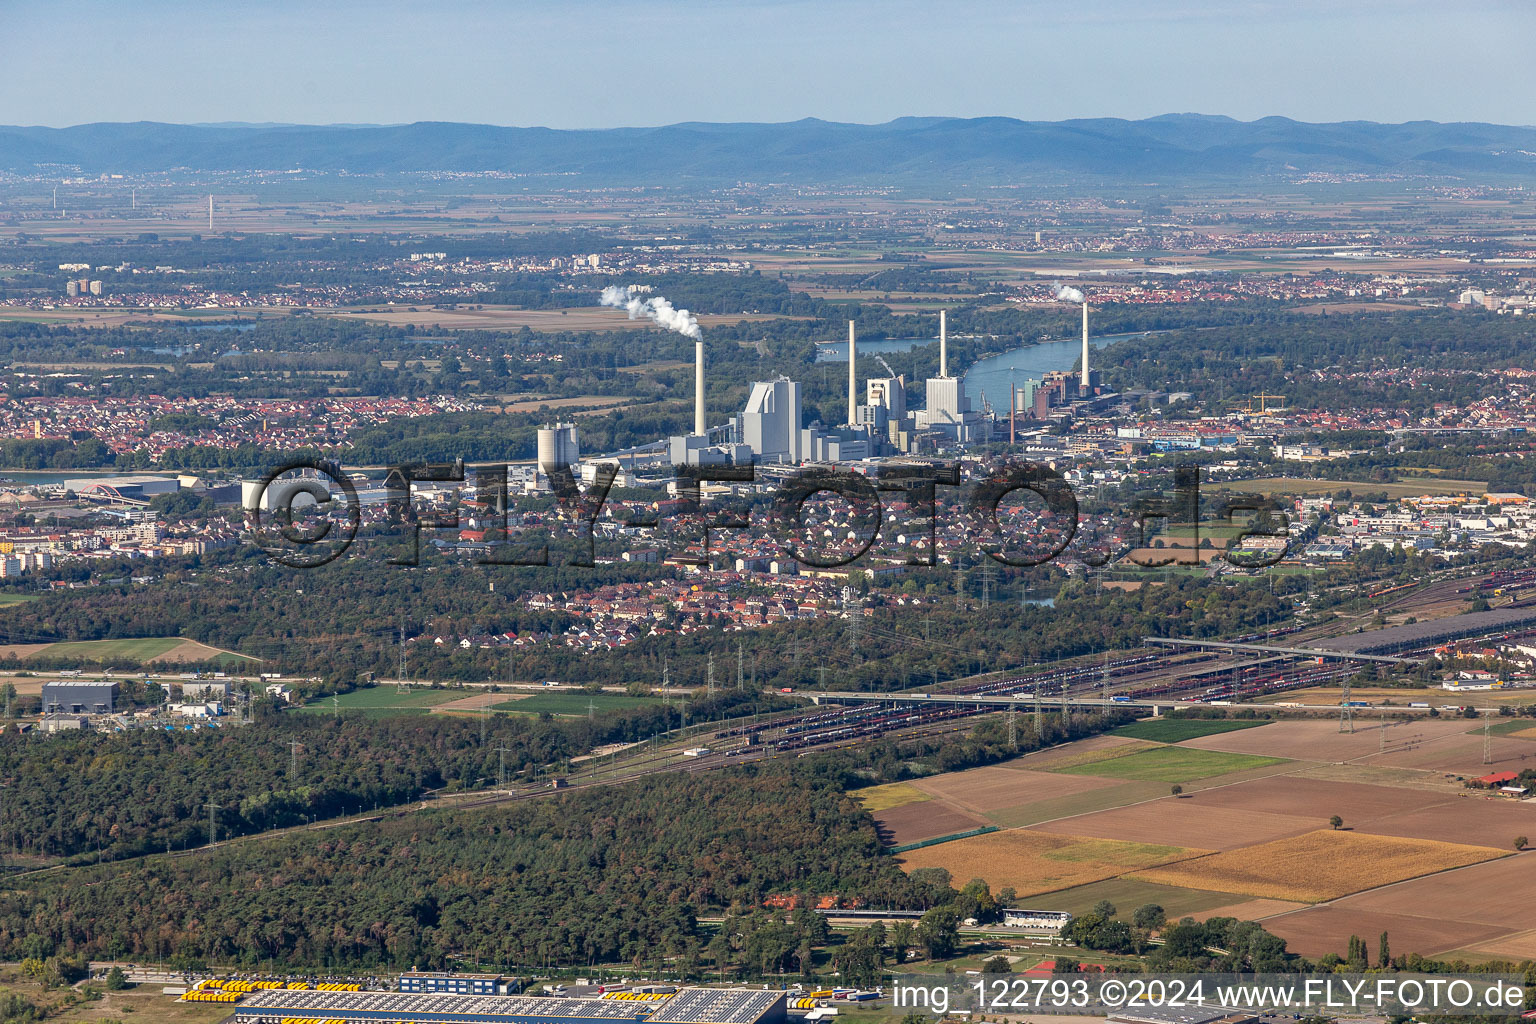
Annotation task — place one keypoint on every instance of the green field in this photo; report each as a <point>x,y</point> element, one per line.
<point>385,700</point>
<point>1128,894</point>
<point>573,703</point>
<point>141,649</point>
<point>1172,764</point>
<point>1509,726</point>
<point>6,599</point>
<point>1177,730</point>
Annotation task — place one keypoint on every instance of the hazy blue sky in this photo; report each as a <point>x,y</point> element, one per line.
<point>595,64</point>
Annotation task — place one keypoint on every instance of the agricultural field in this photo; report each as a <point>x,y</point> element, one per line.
<point>1171,764</point>
<point>1520,728</point>
<point>573,704</point>
<point>1408,820</point>
<point>140,650</point>
<point>1485,907</point>
<point>883,798</point>
<point>1038,862</point>
<point>1319,866</point>
<point>1177,730</point>
<point>1401,696</point>
<point>383,700</point>
<point>1431,745</point>
<point>1128,893</point>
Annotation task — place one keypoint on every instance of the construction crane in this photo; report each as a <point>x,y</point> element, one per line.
<point>1264,403</point>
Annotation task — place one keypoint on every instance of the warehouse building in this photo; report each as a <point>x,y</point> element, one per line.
<point>690,1006</point>
<point>454,984</point>
<point>79,698</point>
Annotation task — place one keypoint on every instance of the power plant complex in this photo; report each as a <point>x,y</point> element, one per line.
<point>770,429</point>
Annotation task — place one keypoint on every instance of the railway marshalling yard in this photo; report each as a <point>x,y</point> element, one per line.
<point>1419,855</point>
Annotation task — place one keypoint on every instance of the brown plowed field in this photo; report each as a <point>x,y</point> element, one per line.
<point>1320,739</point>
<point>925,819</point>
<point>1318,800</point>
<point>1320,930</point>
<point>1500,893</point>
<point>1473,818</point>
<point>1186,822</point>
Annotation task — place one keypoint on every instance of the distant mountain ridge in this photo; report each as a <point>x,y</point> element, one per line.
<point>912,150</point>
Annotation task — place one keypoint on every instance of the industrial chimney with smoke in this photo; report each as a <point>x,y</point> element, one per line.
<point>700,427</point>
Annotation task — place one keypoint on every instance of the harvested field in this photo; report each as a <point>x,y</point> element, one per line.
<point>883,798</point>
<point>1318,866</point>
<point>925,819</point>
<point>984,790</point>
<point>1320,739</point>
<point>1036,862</point>
<point>1187,822</point>
<point>1177,730</point>
<point>465,705</point>
<point>1170,764</point>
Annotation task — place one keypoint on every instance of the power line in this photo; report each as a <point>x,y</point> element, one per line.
<point>213,824</point>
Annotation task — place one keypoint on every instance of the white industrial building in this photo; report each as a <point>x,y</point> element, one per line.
<point>770,424</point>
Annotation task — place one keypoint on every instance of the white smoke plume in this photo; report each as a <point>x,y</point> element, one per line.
<point>1066,293</point>
<point>657,309</point>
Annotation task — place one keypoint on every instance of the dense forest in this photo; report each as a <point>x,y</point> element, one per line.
<point>599,875</point>
<point>140,791</point>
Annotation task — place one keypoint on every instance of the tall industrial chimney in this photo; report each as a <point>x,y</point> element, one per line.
<point>1085,347</point>
<point>699,426</point>
<point>853,390</point>
<point>943,346</point>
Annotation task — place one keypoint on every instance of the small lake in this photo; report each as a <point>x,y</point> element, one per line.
<point>992,377</point>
